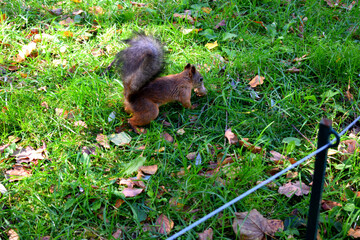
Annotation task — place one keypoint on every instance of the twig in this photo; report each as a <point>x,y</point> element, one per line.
<point>303,136</point>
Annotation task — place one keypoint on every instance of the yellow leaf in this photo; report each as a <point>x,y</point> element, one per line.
<point>68,34</point>
<point>211,45</point>
<point>206,9</point>
<point>25,51</point>
<point>76,1</point>
<point>257,80</point>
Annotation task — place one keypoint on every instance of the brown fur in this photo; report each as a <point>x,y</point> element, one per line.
<point>144,104</point>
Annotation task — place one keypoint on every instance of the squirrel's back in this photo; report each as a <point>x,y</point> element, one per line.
<point>140,63</point>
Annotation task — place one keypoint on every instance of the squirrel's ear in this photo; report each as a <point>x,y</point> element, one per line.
<point>187,66</point>
<point>193,69</point>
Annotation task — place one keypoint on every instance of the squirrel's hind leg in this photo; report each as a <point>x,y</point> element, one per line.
<point>144,112</point>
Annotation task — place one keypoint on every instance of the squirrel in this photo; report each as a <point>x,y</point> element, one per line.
<point>139,65</point>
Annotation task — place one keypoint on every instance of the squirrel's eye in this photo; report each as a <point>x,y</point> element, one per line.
<point>201,79</point>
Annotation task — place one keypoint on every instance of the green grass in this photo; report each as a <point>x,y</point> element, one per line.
<point>60,198</point>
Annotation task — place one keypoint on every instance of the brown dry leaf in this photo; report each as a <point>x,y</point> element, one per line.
<point>191,156</point>
<point>12,68</point>
<point>103,140</point>
<point>3,147</point>
<point>164,224</point>
<point>231,137</point>
<point>300,58</point>
<point>97,52</point>
<point>67,22</point>
<point>78,12</point>
<point>13,235</point>
<point>294,70</point>
<point>351,145</point>
<point>257,80</point>
<point>348,94</point>
<point>132,192</point>
<point>355,233</point>
<point>261,23</point>
<point>149,170</point>
<point>168,137</point>
<point>80,123</point>
<point>23,75</point>
<point>46,238</point>
<point>184,16</point>
<point>17,173</point>
<point>332,4</point>
<point>97,10</point>
<point>291,174</point>
<point>119,202</point>
<point>25,51</point>
<point>68,34</point>
<point>277,157</point>
<point>57,11</point>
<point>274,226</point>
<point>2,17</point>
<point>28,154</point>
<point>206,235</point>
<point>117,234</point>
<point>296,188</point>
<point>253,226</point>
<point>220,24</point>
<point>327,204</point>
<point>138,4</point>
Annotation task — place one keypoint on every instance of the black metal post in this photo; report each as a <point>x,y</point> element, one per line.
<point>325,131</point>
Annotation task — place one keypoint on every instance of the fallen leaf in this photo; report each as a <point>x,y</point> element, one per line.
<point>206,235</point>
<point>13,68</point>
<point>13,235</point>
<point>296,188</point>
<point>117,234</point>
<point>261,23</point>
<point>97,52</point>
<point>348,94</point>
<point>164,224</point>
<point>300,58</point>
<point>42,88</point>
<point>132,192</point>
<point>351,146</point>
<point>76,1</point>
<point>119,202</point>
<point>253,226</point>
<point>231,137</point>
<point>191,156</point>
<point>46,238</point>
<point>294,70</point>
<point>211,45</point>
<point>274,226</point>
<point>181,131</point>
<point>291,174</point>
<point>25,51</point>
<point>120,139</point>
<point>80,123</point>
<point>88,150</point>
<point>138,4</point>
<point>103,140</point>
<point>127,182</point>
<point>277,157</point>
<point>57,11</point>
<point>184,16</point>
<point>355,233</point>
<point>206,10</point>
<point>149,170</point>
<point>97,10</point>
<point>68,34</point>
<point>327,204</point>
<point>257,80</point>
<point>120,7</point>
<point>2,148</point>
<point>3,190</point>
<point>28,154</point>
<point>220,24</point>
<point>168,137</point>
<point>2,17</point>
<point>78,12</point>
<point>17,173</point>
<point>331,4</point>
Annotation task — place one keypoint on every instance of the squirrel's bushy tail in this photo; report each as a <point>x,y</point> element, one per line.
<point>139,63</point>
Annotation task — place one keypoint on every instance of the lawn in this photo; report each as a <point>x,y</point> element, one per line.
<point>72,168</point>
